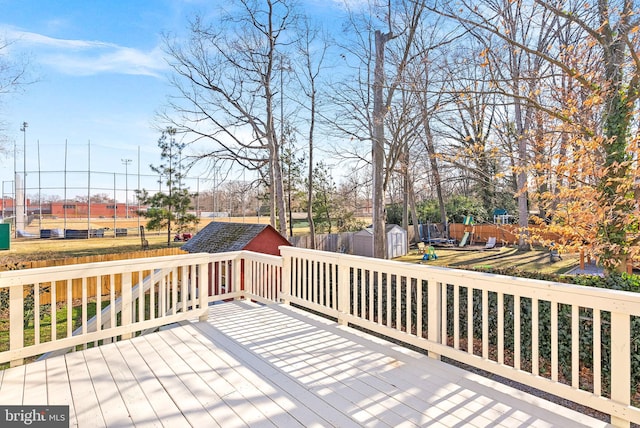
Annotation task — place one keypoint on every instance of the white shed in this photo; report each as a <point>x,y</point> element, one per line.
<point>396,241</point>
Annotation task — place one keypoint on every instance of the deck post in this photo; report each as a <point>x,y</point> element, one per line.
<point>344,297</point>
<point>248,278</point>
<point>126,307</point>
<point>285,291</point>
<point>621,367</point>
<point>16,321</point>
<point>203,297</point>
<point>434,314</point>
<point>240,274</point>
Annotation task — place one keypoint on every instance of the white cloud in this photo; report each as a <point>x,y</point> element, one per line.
<point>351,4</point>
<point>87,57</point>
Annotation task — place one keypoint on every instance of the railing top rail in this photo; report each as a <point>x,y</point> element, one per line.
<point>266,258</point>
<point>46,274</point>
<point>27,276</point>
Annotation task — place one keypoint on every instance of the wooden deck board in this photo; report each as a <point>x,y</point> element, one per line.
<point>208,396</point>
<point>113,378</point>
<point>331,362</point>
<point>13,386</point>
<point>168,371</point>
<point>35,381</point>
<point>356,384</point>
<point>83,393</point>
<point>321,376</point>
<point>162,404</point>
<point>272,366</point>
<point>254,391</point>
<point>308,408</point>
<point>108,393</point>
<point>313,360</point>
<point>58,387</point>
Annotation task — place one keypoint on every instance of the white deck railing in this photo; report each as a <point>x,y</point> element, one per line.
<point>545,335</point>
<point>127,297</point>
<point>124,304</point>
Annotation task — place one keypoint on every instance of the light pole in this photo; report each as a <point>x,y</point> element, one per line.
<point>15,195</point>
<point>126,163</point>
<point>24,171</point>
<point>24,149</point>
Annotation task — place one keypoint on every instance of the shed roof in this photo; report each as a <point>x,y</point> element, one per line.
<point>218,237</point>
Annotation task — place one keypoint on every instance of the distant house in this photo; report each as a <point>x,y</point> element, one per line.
<point>221,237</point>
<point>396,238</point>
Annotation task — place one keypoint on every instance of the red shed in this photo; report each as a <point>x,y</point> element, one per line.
<point>218,237</point>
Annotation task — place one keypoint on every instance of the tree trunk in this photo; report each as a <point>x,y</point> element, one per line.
<point>272,201</point>
<point>378,148</point>
<point>523,208</point>
<point>521,177</point>
<point>405,201</point>
<point>279,193</point>
<point>312,227</point>
<point>414,212</point>
<point>435,173</point>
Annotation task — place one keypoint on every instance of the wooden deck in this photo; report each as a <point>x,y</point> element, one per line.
<point>274,366</point>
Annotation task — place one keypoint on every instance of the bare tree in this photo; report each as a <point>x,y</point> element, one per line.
<point>312,48</point>
<point>13,77</point>
<point>514,36</point>
<point>364,102</point>
<point>430,97</point>
<point>224,73</point>
<point>466,119</point>
<point>604,64</point>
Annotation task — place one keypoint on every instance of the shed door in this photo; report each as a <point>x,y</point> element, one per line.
<point>398,244</point>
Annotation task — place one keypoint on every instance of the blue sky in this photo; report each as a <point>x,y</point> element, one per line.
<point>100,77</point>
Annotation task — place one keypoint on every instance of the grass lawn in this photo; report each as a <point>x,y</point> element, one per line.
<point>42,249</point>
<point>534,260</point>
<point>504,257</point>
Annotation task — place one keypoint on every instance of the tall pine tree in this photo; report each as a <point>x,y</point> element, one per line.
<point>168,209</point>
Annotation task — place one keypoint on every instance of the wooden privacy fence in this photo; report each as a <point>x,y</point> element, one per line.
<point>334,242</point>
<point>101,258</point>
<point>505,234</point>
<point>73,287</point>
